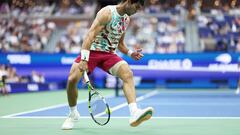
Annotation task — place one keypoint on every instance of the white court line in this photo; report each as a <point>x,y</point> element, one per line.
<point>46,108</point>
<point>82,101</point>
<point>88,117</point>
<point>40,109</point>
<point>155,92</point>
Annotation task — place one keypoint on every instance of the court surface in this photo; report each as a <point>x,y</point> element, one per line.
<point>177,112</point>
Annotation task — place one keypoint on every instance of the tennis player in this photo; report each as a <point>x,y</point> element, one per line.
<point>99,50</point>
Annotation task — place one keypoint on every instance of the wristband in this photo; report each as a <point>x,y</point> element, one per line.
<point>129,53</point>
<point>85,54</point>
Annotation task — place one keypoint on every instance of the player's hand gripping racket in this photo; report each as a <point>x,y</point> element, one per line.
<point>97,105</point>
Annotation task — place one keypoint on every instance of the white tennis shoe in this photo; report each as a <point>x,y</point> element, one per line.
<point>70,121</point>
<point>140,116</point>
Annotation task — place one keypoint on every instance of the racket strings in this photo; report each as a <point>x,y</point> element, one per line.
<point>99,109</point>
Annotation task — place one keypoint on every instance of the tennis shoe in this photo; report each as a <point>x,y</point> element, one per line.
<point>140,116</point>
<point>70,121</point>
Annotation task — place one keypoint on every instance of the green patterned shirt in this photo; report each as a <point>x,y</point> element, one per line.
<point>108,39</point>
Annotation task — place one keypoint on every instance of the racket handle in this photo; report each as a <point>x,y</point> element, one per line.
<point>85,76</point>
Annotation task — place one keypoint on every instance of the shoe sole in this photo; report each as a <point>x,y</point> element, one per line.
<point>146,116</point>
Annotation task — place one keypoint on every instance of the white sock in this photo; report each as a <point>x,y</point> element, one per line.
<point>132,108</point>
<point>73,109</point>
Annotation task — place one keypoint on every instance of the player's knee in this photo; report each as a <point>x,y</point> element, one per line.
<point>127,75</point>
<point>72,79</point>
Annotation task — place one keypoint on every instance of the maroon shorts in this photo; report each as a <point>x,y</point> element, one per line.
<point>103,60</point>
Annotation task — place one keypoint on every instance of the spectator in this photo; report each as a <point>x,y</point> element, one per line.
<point>3,88</point>
<point>37,77</point>
<point>3,75</point>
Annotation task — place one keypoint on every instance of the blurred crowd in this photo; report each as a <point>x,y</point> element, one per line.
<point>46,7</point>
<point>155,35</point>
<point>76,8</point>
<point>220,33</point>
<point>24,34</point>
<point>72,38</point>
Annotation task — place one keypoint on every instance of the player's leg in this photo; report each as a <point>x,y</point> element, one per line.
<point>126,75</point>
<point>73,79</point>
<point>72,94</point>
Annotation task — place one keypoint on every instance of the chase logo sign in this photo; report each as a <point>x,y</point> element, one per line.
<point>19,59</point>
<point>169,64</point>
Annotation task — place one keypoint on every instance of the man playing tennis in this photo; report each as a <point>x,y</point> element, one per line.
<point>98,50</point>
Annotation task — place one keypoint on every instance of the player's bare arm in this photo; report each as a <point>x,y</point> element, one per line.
<point>102,18</point>
<point>122,46</point>
<point>136,55</point>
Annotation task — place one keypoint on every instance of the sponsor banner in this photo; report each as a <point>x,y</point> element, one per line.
<point>211,61</point>
<point>32,87</point>
<point>37,59</point>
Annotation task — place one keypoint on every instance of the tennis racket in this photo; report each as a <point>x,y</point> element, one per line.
<point>97,105</point>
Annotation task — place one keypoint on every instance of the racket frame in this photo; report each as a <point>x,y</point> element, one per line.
<point>91,92</point>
